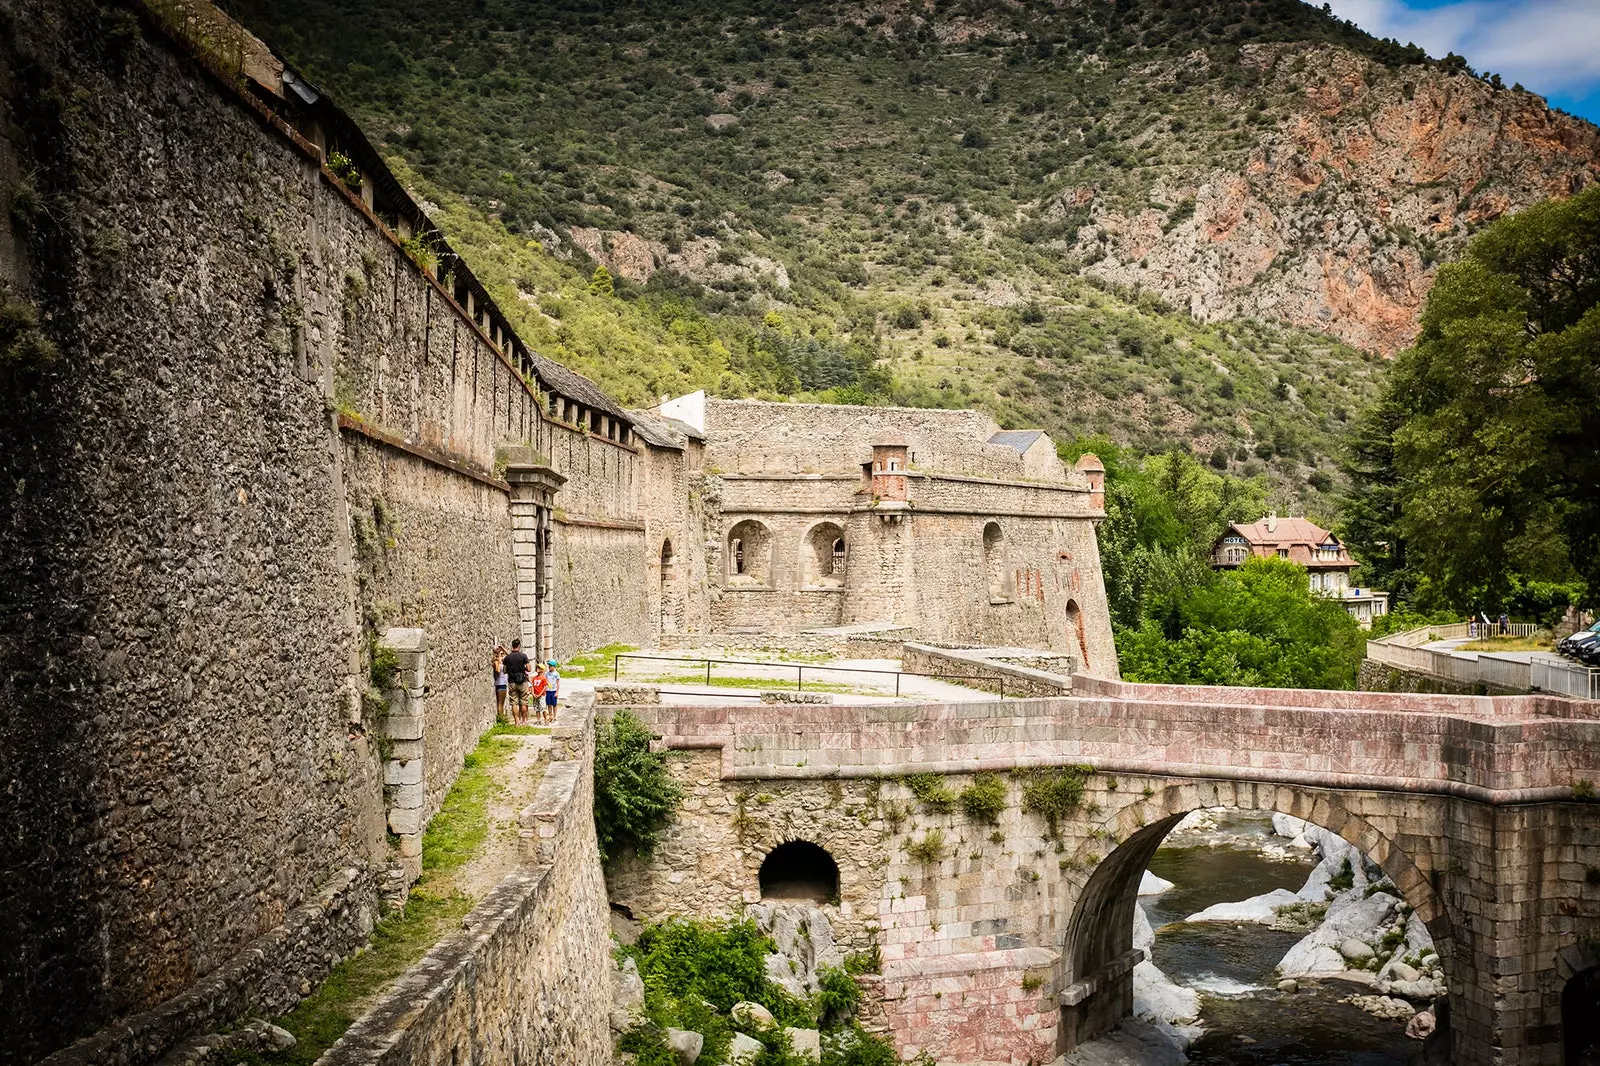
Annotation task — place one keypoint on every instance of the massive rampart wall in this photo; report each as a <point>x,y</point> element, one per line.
<point>176,630</point>
<point>267,435</point>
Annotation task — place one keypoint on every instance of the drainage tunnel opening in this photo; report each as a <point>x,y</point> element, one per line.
<point>799,870</point>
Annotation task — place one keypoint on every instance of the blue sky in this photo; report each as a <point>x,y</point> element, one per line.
<point>1551,46</point>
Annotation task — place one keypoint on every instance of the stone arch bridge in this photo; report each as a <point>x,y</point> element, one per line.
<point>1008,942</point>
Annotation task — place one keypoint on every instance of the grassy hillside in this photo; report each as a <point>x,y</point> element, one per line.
<point>909,202</point>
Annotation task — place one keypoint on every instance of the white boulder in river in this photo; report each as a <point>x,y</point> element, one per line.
<point>1157,997</point>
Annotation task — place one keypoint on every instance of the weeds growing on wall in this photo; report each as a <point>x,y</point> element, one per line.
<point>984,798</point>
<point>633,793</point>
<point>695,972</point>
<point>931,792</point>
<point>930,849</point>
<point>1055,793</point>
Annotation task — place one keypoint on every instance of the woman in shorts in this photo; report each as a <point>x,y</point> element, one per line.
<point>498,670</point>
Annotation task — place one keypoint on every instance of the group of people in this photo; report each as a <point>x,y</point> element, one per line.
<point>521,677</point>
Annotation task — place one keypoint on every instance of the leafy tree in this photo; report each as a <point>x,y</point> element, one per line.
<point>602,284</point>
<point>1493,417</point>
<point>1258,625</point>
<point>633,793</point>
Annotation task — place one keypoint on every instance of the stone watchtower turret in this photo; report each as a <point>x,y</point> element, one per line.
<point>890,457</point>
<point>1090,466</point>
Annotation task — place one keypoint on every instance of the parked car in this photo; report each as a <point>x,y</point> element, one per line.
<point>1588,652</point>
<point>1570,645</point>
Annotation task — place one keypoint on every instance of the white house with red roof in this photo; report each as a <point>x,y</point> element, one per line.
<point>1299,540</point>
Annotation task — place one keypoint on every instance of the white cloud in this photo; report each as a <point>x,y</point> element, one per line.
<point>1550,46</point>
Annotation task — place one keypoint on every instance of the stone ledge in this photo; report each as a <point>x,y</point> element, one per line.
<point>616,694</point>
<point>791,696</point>
<point>968,963</point>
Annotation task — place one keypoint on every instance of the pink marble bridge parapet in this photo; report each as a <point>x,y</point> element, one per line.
<point>1509,749</point>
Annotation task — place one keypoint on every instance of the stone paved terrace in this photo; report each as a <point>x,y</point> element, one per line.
<point>1476,807</point>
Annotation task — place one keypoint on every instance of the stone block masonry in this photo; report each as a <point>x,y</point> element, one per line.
<point>1011,933</point>
<point>524,981</point>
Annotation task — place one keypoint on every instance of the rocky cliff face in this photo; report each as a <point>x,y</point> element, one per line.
<point>1339,216</point>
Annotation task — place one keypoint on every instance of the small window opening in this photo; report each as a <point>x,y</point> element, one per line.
<point>799,870</point>
<point>738,556</point>
<point>838,557</point>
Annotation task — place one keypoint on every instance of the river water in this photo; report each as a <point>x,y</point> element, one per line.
<point>1247,1021</point>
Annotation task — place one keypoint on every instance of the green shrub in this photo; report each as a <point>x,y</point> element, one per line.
<point>633,793</point>
<point>984,798</point>
<point>385,666</point>
<point>932,792</point>
<point>1054,793</point>
<point>1345,879</point>
<point>838,996</point>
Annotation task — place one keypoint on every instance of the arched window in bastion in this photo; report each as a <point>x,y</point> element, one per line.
<point>1002,589</point>
<point>749,554</point>
<point>800,870</point>
<point>824,556</point>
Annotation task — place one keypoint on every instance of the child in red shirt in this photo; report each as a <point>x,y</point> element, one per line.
<point>537,684</point>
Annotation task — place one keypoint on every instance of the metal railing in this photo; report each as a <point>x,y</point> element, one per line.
<point>1541,673</point>
<point>800,672</point>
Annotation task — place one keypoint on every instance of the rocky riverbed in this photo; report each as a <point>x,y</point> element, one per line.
<point>1272,941</point>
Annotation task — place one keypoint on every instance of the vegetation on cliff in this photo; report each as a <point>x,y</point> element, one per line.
<point>1013,208</point>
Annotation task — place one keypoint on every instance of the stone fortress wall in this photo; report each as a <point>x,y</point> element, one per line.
<point>980,542</point>
<point>269,435</point>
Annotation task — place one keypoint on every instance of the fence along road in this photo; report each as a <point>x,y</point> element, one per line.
<point>1541,672</point>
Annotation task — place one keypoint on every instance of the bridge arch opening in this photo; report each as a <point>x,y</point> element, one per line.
<point>1580,1019</point>
<point>1097,977</point>
<point>799,870</point>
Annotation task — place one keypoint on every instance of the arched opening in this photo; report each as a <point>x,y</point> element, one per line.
<point>799,870</point>
<point>996,568</point>
<point>823,556</point>
<point>749,554</point>
<point>1098,978</point>
<point>1075,631</point>
<point>669,583</point>
<point>1580,1019</point>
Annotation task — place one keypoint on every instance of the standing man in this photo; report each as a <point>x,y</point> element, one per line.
<point>516,668</point>
<point>550,693</point>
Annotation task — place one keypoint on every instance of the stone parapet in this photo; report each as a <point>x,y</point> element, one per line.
<point>982,671</point>
<point>791,696</point>
<point>1489,749</point>
<point>615,694</point>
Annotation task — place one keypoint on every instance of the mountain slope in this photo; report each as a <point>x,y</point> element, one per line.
<point>1018,206</point>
